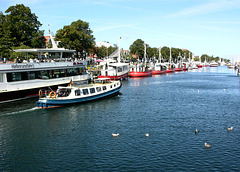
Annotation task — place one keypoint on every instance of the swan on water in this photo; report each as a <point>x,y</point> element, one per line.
<point>230,129</point>
<point>147,135</point>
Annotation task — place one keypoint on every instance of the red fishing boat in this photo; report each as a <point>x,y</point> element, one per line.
<point>170,68</point>
<point>139,70</point>
<point>178,68</point>
<point>140,74</point>
<point>158,69</point>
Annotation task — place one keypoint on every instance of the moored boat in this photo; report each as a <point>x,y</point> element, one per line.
<point>140,74</point>
<point>115,71</point>
<point>78,93</point>
<point>140,70</point>
<point>214,64</point>
<point>178,67</point>
<point>159,68</point>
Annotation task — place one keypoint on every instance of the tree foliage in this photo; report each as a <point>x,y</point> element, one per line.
<point>20,27</point>
<point>77,36</point>
<point>104,51</point>
<point>137,48</point>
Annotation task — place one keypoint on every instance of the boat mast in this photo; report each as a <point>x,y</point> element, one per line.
<point>145,54</point>
<point>54,45</point>
<point>119,49</point>
<point>160,55</point>
<point>170,60</point>
<point>189,58</point>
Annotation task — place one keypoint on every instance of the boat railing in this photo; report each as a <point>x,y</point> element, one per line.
<point>44,93</point>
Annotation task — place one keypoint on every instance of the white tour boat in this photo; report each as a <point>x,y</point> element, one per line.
<point>78,93</point>
<point>23,80</point>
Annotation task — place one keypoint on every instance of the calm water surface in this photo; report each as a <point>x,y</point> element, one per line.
<point>168,107</point>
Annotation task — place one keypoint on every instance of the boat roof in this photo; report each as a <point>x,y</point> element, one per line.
<point>118,64</point>
<point>102,79</point>
<point>49,50</point>
<point>11,67</point>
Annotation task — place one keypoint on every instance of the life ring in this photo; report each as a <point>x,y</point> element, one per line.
<point>54,94</point>
<point>40,93</point>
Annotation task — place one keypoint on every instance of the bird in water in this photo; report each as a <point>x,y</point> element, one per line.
<point>196,131</point>
<point>115,135</point>
<point>207,145</point>
<point>147,135</point>
<point>230,129</point>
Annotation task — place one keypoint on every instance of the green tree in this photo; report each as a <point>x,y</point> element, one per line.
<point>165,51</point>
<point>101,51</point>
<point>24,27</point>
<point>137,48</point>
<point>77,36</point>
<point>19,27</point>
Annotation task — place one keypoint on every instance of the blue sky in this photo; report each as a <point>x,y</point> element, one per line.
<point>202,26</point>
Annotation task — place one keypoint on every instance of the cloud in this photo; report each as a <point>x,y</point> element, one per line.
<point>211,7</point>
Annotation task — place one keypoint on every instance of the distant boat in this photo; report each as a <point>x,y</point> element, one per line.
<point>178,68</point>
<point>75,93</point>
<point>114,71</point>
<point>158,69</point>
<point>170,66</point>
<point>140,70</point>
<point>214,64</point>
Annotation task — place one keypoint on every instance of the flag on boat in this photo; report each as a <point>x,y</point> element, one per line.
<point>70,83</point>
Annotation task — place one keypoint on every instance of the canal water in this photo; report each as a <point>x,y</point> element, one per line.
<point>168,107</point>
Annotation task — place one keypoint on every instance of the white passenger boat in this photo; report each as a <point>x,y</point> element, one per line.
<point>23,80</point>
<point>78,93</point>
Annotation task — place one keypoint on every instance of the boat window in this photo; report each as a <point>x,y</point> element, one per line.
<point>31,75</point>
<point>1,77</point>
<point>125,68</point>
<point>77,92</point>
<point>63,92</point>
<point>104,87</point>
<point>92,90</point>
<point>14,76</point>
<point>98,89</point>
<point>114,85</point>
<point>85,91</point>
<point>110,86</point>
<point>43,74</point>
<point>119,69</point>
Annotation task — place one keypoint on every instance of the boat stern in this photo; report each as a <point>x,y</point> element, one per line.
<point>44,105</point>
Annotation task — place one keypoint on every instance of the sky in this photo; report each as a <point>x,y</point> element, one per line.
<point>209,27</point>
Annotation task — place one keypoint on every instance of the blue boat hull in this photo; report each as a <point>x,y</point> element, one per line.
<point>52,103</point>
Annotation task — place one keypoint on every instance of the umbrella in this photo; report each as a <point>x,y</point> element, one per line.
<point>99,60</point>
